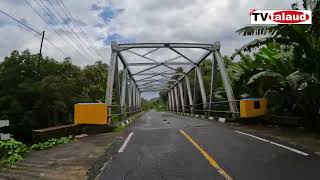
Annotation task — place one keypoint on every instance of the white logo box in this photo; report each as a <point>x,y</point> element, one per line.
<point>281,17</point>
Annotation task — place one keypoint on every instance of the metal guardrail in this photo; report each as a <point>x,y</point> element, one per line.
<point>210,110</point>
<point>125,112</point>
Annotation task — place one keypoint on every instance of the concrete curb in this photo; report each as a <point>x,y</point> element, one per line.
<point>129,120</point>
<point>126,122</point>
<point>222,120</point>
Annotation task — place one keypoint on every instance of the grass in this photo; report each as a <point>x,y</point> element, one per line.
<point>12,151</point>
<point>52,142</point>
<point>161,108</point>
<point>121,128</point>
<point>118,129</point>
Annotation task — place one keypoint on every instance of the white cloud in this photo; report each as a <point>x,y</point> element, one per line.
<point>142,21</point>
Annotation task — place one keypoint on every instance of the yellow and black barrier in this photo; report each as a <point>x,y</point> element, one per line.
<point>253,107</point>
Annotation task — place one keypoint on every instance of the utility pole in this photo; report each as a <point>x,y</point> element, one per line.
<point>40,53</point>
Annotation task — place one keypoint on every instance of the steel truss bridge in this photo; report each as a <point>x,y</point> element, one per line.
<point>164,67</point>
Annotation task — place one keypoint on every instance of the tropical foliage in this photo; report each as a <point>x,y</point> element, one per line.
<point>50,143</point>
<point>282,66</point>
<point>37,93</point>
<point>11,151</point>
<point>159,104</point>
<point>286,67</point>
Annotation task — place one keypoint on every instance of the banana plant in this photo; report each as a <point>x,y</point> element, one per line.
<point>304,38</point>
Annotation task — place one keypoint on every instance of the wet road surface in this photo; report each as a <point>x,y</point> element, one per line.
<point>165,146</point>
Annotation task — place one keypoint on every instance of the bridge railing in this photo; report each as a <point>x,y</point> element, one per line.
<point>213,109</point>
<point>120,113</point>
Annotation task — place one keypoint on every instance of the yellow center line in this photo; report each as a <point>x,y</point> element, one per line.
<point>212,162</point>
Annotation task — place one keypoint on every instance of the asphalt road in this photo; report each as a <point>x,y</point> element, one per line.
<point>165,146</point>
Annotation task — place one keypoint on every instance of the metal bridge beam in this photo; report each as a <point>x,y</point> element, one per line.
<point>157,74</point>
<point>153,86</point>
<point>125,64</point>
<point>153,64</point>
<point>173,99</point>
<point>176,97</point>
<point>153,90</point>
<point>213,78</point>
<point>202,58</point>
<point>226,81</point>
<point>134,98</point>
<point>189,93</point>
<point>169,102</point>
<point>111,73</point>
<point>185,57</point>
<point>154,82</point>
<point>158,80</point>
<point>139,100</point>
<point>164,45</point>
<point>124,89</point>
<point>147,78</point>
<point>181,96</point>
<point>130,94</point>
<point>201,85</point>
<point>158,63</point>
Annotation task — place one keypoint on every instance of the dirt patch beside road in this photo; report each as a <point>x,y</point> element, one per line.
<point>81,159</point>
<point>68,161</point>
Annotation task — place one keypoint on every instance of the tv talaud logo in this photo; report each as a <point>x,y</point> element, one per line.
<point>280,16</point>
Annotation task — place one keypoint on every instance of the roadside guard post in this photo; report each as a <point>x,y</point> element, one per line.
<point>3,124</point>
<point>253,107</point>
<point>91,113</point>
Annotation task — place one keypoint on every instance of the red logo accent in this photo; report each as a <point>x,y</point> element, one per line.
<point>252,11</point>
<point>288,17</point>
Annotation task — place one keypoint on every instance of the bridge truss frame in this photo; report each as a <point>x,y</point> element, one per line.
<point>129,96</point>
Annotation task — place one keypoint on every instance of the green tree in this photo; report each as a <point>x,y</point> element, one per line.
<point>41,93</point>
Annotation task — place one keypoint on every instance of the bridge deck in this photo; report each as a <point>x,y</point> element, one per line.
<point>158,149</point>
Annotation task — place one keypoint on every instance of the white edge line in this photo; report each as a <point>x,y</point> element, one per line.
<point>274,143</point>
<point>124,145</point>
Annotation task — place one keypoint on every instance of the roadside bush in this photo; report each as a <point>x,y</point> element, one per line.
<point>39,93</point>
<point>11,151</point>
<point>51,143</point>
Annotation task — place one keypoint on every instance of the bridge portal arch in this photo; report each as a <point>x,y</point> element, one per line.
<point>164,67</point>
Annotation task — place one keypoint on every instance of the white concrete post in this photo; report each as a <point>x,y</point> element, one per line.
<point>4,123</point>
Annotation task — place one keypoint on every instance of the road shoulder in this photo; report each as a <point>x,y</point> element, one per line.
<point>291,136</point>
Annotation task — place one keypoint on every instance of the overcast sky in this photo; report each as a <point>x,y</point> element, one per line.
<point>203,21</point>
